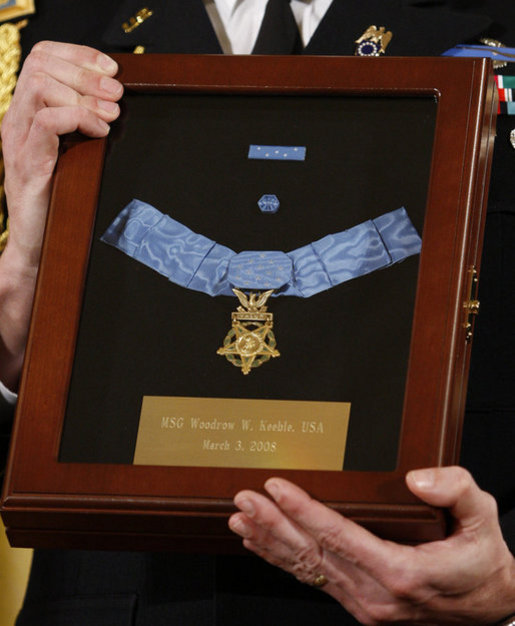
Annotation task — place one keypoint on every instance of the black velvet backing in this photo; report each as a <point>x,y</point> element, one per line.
<point>187,155</point>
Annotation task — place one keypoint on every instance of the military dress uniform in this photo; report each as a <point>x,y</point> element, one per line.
<point>105,588</point>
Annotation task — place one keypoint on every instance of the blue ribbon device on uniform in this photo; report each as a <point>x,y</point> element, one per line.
<point>497,53</point>
<point>196,262</point>
<point>501,55</point>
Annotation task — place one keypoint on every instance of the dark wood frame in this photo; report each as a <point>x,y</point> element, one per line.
<point>52,504</point>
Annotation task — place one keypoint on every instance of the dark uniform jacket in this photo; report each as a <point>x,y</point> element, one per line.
<point>84,588</point>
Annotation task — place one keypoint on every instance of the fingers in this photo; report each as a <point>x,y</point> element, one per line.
<point>317,541</point>
<point>82,55</point>
<point>444,581</point>
<point>274,537</point>
<point>59,121</point>
<point>455,489</point>
<point>62,75</point>
<point>301,531</point>
<point>292,550</point>
<point>62,88</point>
<point>476,535</point>
<point>58,82</point>
<point>75,71</point>
<point>333,531</point>
<point>41,89</point>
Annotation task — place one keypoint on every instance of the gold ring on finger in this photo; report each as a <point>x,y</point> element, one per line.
<point>319,581</point>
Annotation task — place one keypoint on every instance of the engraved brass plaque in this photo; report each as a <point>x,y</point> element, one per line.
<point>228,432</point>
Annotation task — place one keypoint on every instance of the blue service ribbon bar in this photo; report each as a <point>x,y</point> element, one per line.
<point>277,153</point>
<point>501,53</point>
<point>199,263</point>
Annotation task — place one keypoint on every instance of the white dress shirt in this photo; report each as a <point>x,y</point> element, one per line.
<point>237,22</point>
<point>6,397</point>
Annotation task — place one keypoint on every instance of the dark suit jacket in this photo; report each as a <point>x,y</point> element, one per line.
<point>113,588</point>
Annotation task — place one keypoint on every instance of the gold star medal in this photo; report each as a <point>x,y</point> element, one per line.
<point>251,341</point>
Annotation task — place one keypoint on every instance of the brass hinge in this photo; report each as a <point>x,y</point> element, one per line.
<point>471,305</point>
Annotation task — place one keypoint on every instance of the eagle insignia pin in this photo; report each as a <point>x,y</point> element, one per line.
<point>373,42</point>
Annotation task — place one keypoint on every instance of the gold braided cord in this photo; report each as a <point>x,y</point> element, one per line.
<point>10,53</point>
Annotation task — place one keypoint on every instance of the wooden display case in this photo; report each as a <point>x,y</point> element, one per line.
<point>107,332</point>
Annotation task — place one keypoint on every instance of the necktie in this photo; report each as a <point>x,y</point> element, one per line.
<point>279,33</point>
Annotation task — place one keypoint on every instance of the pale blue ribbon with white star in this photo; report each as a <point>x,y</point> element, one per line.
<point>199,263</point>
<point>277,153</point>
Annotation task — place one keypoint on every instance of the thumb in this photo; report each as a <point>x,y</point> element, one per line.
<point>455,489</point>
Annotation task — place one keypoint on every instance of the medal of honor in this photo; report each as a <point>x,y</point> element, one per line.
<point>251,341</point>
<point>196,262</point>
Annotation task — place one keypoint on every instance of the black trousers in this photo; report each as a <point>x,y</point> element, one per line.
<point>79,588</point>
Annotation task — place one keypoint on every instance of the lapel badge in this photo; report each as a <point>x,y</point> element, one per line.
<point>373,42</point>
<point>142,15</point>
<point>251,341</point>
<point>512,138</point>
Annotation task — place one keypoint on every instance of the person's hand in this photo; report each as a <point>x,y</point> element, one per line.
<point>62,88</point>
<point>468,578</point>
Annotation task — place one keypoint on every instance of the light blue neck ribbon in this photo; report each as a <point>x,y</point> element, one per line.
<point>196,262</point>
<point>501,53</point>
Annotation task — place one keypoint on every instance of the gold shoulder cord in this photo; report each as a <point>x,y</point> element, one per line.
<point>10,52</point>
